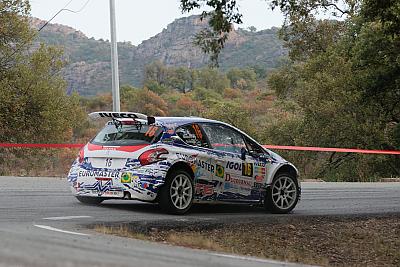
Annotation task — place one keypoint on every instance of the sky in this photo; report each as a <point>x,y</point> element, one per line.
<point>138,20</point>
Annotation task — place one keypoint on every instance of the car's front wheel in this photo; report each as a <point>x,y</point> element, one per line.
<point>176,196</point>
<point>90,200</point>
<point>283,194</point>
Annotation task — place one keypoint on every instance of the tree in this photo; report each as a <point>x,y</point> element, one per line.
<point>211,79</point>
<point>243,79</point>
<point>16,36</point>
<point>33,103</point>
<point>298,14</point>
<point>221,17</point>
<point>252,29</point>
<point>143,101</point>
<point>347,93</point>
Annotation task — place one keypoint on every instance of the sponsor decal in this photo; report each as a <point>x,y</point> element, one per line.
<point>77,185</point>
<point>258,185</point>
<point>204,189</point>
<point>219,171</point>
<point>233,166</point>
<point>188,158</point>
<point>204,165</point>
<point>238,181</point>
<point>259,164</point>
<point>259,178</point>
<point>98,174</point>
<point>93,147</point>
<point>247,169</point>
<point>126,177</point>
<point>117,115</point>
<point>260,173</point>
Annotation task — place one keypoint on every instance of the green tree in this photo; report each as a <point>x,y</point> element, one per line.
<point>33,103</point>
<point>348,93</point>
<point>143,101</point>
<point>212,79</point>
<point>243,79</point>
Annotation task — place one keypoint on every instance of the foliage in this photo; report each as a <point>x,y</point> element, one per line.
<point>347,93</point>
<point>220,18</point>
<point>143,101</point>
<point>31,91</point>
<point>14,32</point>
<point>243,79</point>
<point>211,79</point>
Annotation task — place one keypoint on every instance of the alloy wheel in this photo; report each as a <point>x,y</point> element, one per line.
<point>284,192</point>
<point>181,191</point>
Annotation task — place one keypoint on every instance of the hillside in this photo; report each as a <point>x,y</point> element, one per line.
<point>88,70</point>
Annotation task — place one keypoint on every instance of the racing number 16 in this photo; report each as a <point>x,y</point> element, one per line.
<point>108,162</point>
<point>247,169</point>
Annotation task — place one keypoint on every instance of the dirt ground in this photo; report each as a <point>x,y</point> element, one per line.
<point>325,241</point>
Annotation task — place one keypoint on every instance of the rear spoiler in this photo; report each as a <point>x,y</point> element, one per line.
<point>121,115</point>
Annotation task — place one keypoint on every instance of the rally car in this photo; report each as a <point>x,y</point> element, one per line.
<point>178,161</point>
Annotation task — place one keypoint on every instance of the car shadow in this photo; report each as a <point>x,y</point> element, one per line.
<point>196,209</point>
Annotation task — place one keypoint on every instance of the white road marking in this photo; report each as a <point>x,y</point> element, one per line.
<point>281,263</point>
<point>66,218</point>
<point>59,230</point>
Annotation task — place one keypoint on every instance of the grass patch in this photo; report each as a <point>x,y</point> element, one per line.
<point>323,241</point>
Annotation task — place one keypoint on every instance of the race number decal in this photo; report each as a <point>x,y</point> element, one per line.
<point>247,169</point>
<point>151,131</point>
<point>108,162</point>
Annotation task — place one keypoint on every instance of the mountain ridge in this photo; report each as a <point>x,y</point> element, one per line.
<point>88,69</point>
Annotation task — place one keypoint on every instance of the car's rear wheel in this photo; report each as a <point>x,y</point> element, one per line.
<point>176,196</point>
<point>283,194</point>
<point>90,200</point>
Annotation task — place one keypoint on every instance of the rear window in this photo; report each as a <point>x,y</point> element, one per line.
<point>127,135</point>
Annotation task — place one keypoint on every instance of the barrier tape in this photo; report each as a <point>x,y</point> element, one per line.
<point>42,145</point>
<point>297,148</point>
<point>334,149</point>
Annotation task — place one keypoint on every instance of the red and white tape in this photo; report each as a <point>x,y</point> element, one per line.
<point>297,148</point>
<point>42,145</point>
<point>334,149</point>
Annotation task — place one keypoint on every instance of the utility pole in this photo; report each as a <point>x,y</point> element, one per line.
<point>114,59</point>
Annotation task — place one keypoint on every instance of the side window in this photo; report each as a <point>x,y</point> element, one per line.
<point>192,135</point>
<point>253,147</point>
<point>223,138</point>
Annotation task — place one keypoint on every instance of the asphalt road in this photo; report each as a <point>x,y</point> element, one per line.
<point>41,224</point>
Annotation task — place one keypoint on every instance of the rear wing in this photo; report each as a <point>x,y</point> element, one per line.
<point>121,115</point>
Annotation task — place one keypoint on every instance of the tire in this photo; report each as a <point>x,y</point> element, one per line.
<point>283,194</point>
<point>176,196</point>
<point>90,200</point>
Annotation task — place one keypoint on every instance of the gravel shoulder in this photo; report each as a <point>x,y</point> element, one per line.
<point>368,240</point>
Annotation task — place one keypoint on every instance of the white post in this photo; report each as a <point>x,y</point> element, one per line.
<point>114,59</point>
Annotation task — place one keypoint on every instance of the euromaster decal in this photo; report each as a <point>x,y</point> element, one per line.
<point>106,174</point>
<point>204,165</point>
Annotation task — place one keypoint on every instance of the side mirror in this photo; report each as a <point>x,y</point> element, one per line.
<point>243,153</point>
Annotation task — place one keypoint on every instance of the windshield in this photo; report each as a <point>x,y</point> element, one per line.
<point>127,135</point>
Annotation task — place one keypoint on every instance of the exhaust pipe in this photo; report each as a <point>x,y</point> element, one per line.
<point>127,195</point>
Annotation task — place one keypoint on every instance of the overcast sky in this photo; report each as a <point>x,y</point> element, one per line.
<point>138,20</point>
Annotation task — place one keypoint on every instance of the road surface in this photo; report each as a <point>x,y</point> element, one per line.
<point>41,224</point>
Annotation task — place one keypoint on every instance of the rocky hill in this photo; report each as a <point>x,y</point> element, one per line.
<point>88,70</point>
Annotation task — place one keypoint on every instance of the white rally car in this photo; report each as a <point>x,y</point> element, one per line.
<point>178,161</point>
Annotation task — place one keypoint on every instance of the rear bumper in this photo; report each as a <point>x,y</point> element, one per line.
<point>141,183</point>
